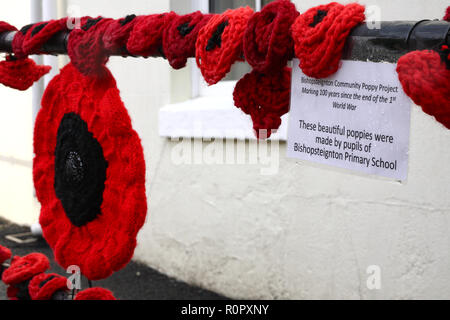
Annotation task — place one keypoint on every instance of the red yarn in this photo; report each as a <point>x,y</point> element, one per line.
<point>21,74</point>
<point>44,286</point>
<point>118,33</point>
<point>265,98</point>
<point>86,48</point>
<point>39,33</point>
<point>4,26</point>
<point>105,244</point>
<point>18,71</point>
<point>447,15</point>
<point>5,254</point>
<point>11,293</point>
<point>25,268</point>
<point>95,294</point>
<point>426,80</point>
<point>180,37</point>
<point>320,34</point>
<point>268,44</point>
<point>146,38</point>
<point>219,43</point>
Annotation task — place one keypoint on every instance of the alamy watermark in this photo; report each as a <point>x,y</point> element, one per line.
<point>226,151</point>
<point>374,279</point>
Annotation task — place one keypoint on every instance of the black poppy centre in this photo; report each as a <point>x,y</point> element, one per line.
<point>216,39</point>
<point>80,170</point>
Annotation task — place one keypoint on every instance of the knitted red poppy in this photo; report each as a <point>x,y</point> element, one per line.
<point>425,77</point>
<point>25,268</point>
<point>219,43</point>
<point>320,34</point>
<point>116,37</point>
<point>180,37</point>
<point>86,48</point>
<point>95,294</point>
<point>44,286</point>
<point>268,44</point>
<point>5,254</point>
<point>38,34</point>
<point>18,71</point>
<point>447,15</point>
<point>146,38</point>
<point>89,173</point>
<point>265,98</point>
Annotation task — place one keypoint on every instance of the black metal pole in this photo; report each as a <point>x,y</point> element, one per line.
<point>388,42</point>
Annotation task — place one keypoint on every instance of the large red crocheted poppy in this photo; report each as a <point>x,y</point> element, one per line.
<point>220,43</point>
<point>44,286</point>
<point>447,15</point>
<point>265,98</point>
<point>425,77</point>
<point>180,37</point>
<point>95,294</point>
<point>320,33</point>
<point>268,43</point>
<point>89,173</point>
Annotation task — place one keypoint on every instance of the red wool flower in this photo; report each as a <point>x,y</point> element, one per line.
<point>425,77</point>
<point>44,286</point>
<point>86,48</point>
<point>265,98</point>
<point>146,38</point>
<point>20,73</point>
<point>320,34</point>
<point>89,173</point>
<point>116,36</point>
<point>220,43</point>
<point>95,294</point>
<point>267,43</point>
<point>180,37</point>
<point>25,268</point>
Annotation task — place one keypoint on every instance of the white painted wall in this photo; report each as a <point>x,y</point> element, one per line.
<point>307,232</point>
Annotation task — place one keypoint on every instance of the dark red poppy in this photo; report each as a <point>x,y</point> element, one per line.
<point>118,33</point>
<point>268,43</point>
<point>36,35</point>
<point>180,37</point>
<point>89,173</point>
<point>265,98</point>
<point>18,71</point>
<point>95,294</point>
<point>44,286</point>
<point>146,38</point>
<point>220,43</point>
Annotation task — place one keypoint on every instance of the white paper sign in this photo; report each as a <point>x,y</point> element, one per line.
<point>358,119</point>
